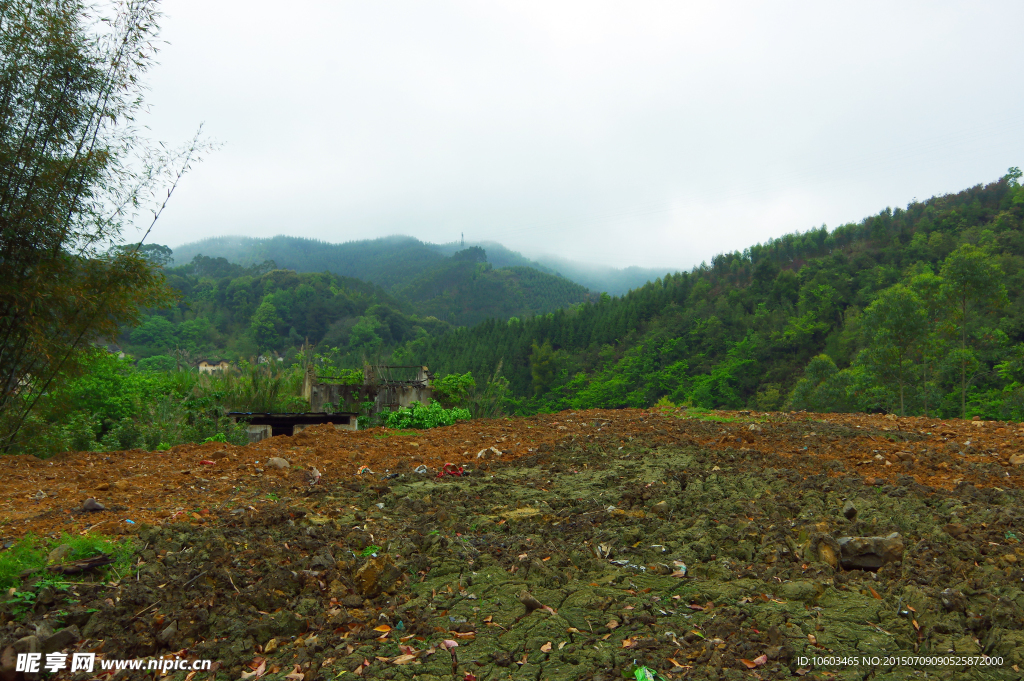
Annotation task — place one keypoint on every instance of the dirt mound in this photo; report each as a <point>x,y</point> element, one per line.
<point>579,546</point>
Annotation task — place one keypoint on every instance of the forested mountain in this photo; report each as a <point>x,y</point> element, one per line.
<point>393,262</point>
<point>918,309</point>
<point>466,289</point>
<point>226,310</point>
<point>388,262</point>
<point>235,311</point>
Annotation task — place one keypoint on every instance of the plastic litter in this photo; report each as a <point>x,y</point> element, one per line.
<point>450,469</point>
<point>421,469</point>
<point>364,469</point>
<point>208,462</point>
<point>392,476</point>
<point>647,674</point>
<point>130,522</point>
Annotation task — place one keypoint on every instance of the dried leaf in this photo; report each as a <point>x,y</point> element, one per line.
<point>448,643</point>
<point>749,663</point>
<point>384,628</point>
<point>468,635</point>
<point>546,648</point>
<point>760,660</point>
<point>874,594</point>
<point>488,619</point>
<point>258,672</point>
<point>612,624</point>
<point>404,659</point>
<point>295,675</point>
<point>629,642</point>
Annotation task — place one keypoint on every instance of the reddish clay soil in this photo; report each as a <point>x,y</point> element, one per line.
<point>189,482</point>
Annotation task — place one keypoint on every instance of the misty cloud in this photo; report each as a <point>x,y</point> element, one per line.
<point>653,134</point>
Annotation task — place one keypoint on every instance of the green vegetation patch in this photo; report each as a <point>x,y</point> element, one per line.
<point>420,416</point>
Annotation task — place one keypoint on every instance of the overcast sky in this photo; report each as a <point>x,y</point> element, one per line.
<point>623,133</point>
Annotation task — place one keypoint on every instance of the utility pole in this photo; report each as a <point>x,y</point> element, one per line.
<point>463,242</point>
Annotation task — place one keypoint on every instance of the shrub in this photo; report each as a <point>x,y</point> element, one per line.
<point>419,416</point>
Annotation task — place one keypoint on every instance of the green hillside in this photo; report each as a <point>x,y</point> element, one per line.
<point>388,262</point>
<point>393,262</point>
<point>918,309</point>
<point>236,311</point>
<point>466,290</point>
<point>226,310</point>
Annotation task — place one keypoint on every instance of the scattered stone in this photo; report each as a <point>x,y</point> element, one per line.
<point>954,530</point>
<point>216,456</point>
<point>123,485</point>
<point>661,509</point>
<point>849,510</point>
<point>826,550</point>
<point>270,647</point>
<point>753,427</point>
<point>61,640</point>
<point>103,487</point>
<point>26,644</point>
<point>278,462</point>
<point>1017,460</point>
<point>484,453</point>
<point>39,496</point>
<point>168,633</point>
<point>91,504</point>
<point>953,599</point>
<point>870,553</point>
<point>59,554</point>
<point>375,576</point>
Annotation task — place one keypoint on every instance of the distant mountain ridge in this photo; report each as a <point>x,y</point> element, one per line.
<point>393,262</point>
<point>459,286</point>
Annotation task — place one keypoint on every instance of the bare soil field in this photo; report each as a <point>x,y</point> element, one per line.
<point>578,545</point>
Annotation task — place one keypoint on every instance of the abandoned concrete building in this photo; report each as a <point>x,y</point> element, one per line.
<point>209,366</point>
<point>330,401</point>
